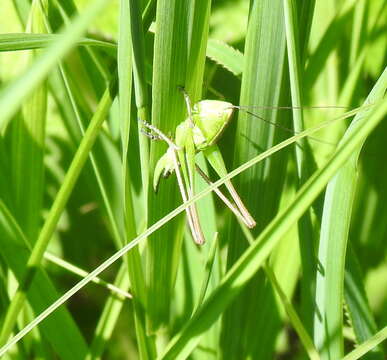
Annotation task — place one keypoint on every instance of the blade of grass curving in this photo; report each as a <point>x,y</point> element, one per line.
<point>131,40</point>
<point>328,319</point>
<point>262,78</point>
<point>61,330</point>
<point>365,347</point>
<point>14,94</point>
<point>26,41</point>
<point>361,317</point>
<point>226,56</point>
<point>165,220</point>
<point>57,209</point>
<point>250,262</point>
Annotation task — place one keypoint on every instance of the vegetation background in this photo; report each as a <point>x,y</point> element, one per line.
<point>309,281</point>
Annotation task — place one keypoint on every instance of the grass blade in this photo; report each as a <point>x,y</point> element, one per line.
<point>109,317</point>
<point>261,85</point>
<point>12,97</point>
<point>26,41</point>
<point>131,40</point>
<point>304,160</point>
<point>367,345</point>
<point>333,242</point>
<point>56,210</point>
<point>28,135</point>
<point>294,319</point>
<point>61,330</point>
<point>169,71</point>
<point>225,55</point>
<point>359,311</point>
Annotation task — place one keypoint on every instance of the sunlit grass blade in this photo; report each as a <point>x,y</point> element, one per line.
<point>365,347</point>
<point>26,41</point>
<point>12,97</point>
<point>82,273</point>
<point>327,42</point>
<point>333,242</point>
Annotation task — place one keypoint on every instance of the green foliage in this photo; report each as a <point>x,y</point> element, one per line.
<point>76,179</point>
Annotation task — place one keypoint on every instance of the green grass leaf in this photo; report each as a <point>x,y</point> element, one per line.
<point>333,242</point>
<point>226,56</point>
<point>25,41</point>
<point>13,96</point>
<point>260,186</point>
<point>60,330</point>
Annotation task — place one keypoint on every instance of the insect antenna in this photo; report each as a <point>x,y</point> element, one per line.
<point>290,107</point>
<point>284,128</point>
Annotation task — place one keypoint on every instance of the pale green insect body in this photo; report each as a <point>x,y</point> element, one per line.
<point>209,119</point>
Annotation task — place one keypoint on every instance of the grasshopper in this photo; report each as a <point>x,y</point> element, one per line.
<point>199,132</point>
